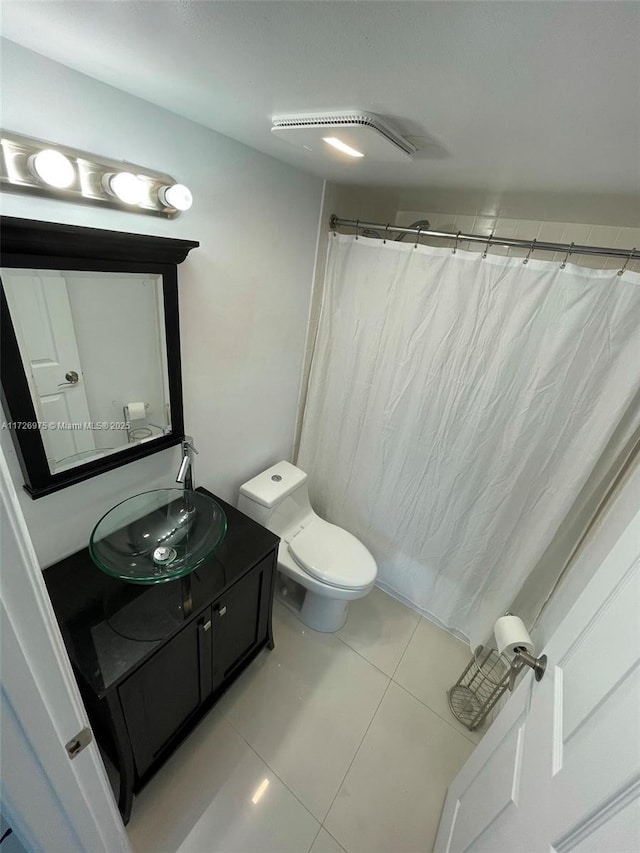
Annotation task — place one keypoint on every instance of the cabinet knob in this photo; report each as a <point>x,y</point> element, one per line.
<point>207,625</point>
<point>222,610</point>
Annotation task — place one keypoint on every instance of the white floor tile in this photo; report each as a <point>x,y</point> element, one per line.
<point>304,708</point>
<point>202,801</point>
<point>379,628</point>
<point>391,799</point>
<point>233,823</point>
<point>432,663</point>
<point>325,843</point>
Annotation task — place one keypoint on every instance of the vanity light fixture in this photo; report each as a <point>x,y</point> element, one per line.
<point>38,167</point>
<point>53,168</point>
<point>177,196</point>
<point>341,146</point>
<point>124,185</point>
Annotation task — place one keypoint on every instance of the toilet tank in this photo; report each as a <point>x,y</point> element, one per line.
<point>278,498</point>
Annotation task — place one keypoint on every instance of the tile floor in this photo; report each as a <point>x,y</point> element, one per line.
<point>329,743</point>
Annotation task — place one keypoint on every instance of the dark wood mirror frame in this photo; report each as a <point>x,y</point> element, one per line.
<point>30,244</point>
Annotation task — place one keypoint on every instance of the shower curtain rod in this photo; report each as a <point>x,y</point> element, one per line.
<point>532,245</point>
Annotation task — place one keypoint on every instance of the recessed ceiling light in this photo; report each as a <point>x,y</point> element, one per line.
<point>177,196</point>
<point>346,149</point>
<point>125,186</point>
<point>353,132</point>
<point>53,168</point>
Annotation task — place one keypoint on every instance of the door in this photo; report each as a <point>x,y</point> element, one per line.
<point>54,802</point>
<point>163,694</point>
<point>43,322</point>
<point>237,626</point>
<point>559,770</point>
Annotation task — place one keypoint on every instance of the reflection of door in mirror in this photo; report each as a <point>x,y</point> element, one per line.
<point>41,314</point>
<point>108,330</point>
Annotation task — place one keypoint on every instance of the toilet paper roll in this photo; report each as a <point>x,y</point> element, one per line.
<point>511,634</point>
<point>137,411</point>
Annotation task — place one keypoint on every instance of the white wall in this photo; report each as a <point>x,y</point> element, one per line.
<point>244,294</point>
<point>613,210</point>
<point>123,308</point>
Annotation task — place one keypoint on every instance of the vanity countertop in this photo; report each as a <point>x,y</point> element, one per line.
<point>110,627</point>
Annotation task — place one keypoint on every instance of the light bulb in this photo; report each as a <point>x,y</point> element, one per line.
<point>53,168</point>
<point>125,186</point>
<point>177,196</point>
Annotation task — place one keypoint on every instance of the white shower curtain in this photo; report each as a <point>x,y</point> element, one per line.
<point>456,407</point>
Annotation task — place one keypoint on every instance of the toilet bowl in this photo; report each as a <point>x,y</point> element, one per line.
<point>321,567</point>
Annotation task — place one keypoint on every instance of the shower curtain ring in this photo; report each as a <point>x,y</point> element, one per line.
<point>386,233</point>
<point>631,254</point>
<point>488,246</point>
<point>357,227</point>
<point>564,263</point>
<point>455,248</point>
<point>415,245</point>
<point>531,248</point>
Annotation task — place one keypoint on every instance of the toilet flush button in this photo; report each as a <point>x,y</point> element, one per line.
<point>276,478</point>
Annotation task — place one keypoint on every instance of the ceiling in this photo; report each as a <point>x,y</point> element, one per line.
<point>506,96</point>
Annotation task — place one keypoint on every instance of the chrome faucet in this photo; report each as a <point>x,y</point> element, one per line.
<point>185,473</point>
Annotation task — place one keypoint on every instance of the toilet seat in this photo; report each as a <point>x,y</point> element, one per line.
<point>332,555</point>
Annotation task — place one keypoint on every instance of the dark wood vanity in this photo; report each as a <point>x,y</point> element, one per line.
<point>150,664</point>
<point>150,659</point>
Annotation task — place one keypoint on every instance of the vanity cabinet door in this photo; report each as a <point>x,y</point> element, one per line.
<point>160,696</point>
<point>240,620</point>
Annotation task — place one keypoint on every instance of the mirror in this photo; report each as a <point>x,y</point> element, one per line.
<point>91,398</point>
<point>90,349</point>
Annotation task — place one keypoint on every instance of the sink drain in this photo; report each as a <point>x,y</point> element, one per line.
<point>162,556</point>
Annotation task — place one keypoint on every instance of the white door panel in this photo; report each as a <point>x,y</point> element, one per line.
<point>54,408</point>
<point>41,315</point>
<point>56,804</point>
<point>488,796</point>
<point>570,744</point>
<point>599,658</point>
<point>613,829</point>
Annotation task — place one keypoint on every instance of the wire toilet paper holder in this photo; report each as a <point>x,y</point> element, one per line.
<point>480,687</point>
<point>486,678</point>
<point>139,428</point>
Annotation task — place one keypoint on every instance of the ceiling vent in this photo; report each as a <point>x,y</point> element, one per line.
<point>345,136</point>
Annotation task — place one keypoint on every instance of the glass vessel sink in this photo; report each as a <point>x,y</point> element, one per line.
<point>157,536</point>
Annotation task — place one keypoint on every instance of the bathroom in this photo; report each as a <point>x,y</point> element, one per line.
<point>525,118</point>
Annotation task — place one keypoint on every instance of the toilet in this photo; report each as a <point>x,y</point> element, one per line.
<point>321,567</point>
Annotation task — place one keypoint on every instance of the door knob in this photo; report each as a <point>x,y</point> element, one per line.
<point>71,377</point>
